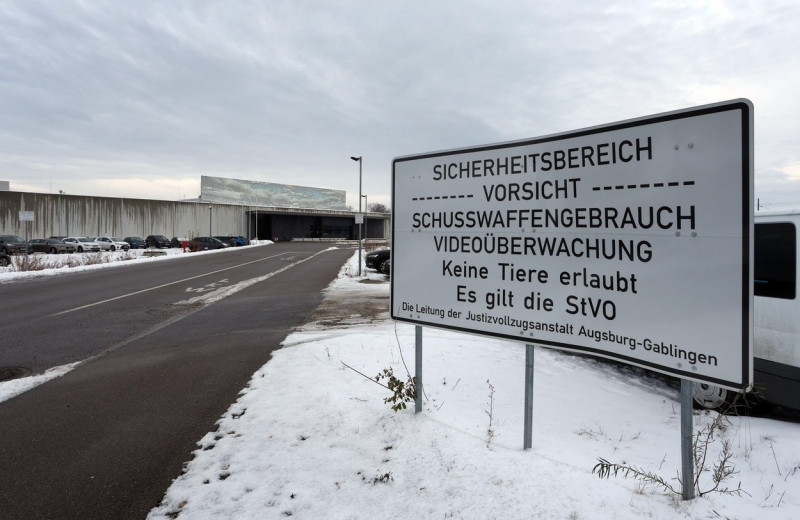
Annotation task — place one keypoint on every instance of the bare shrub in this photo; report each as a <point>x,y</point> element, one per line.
<point>94,259</point>
<point>715,475</point>
<point>35,263</point>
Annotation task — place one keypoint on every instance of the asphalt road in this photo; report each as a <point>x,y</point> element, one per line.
<point>164,350</point>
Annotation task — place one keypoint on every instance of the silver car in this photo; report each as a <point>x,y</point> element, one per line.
<point>83,244</point>
<point>112,243</point>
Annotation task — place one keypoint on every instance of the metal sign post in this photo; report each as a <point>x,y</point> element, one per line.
<point>687,455</point>
<point>26,245</point>
<point>527,441</point>
<point>27,217</point>
<point>418,368</point>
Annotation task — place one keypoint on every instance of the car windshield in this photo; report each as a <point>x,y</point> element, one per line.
<point>13,239</point>
<point>116,239</point>
<point>83,239</point>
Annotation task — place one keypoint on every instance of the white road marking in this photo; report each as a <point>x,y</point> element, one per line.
<point>177,282</point>
<point>224,292</point>
<point>207,287</point>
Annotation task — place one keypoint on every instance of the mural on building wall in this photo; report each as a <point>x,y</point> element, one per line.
<point>253,193</point>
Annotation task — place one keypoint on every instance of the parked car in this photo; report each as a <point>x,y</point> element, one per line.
<point>386,267</point>
<point>206,243</point>
<point>83,244</point>
<point>135,242</point>
<point>111,243</point>
<point>4,260</point>
<point>49,245</point>
<point>178,241</point>
<point>375,259</point>
<point>12,244</point>
<point>229,241</point>
<point>158,241</point>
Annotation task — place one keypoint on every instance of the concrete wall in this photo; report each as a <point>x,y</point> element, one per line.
<point>73,215</point>
<point>76,215</point>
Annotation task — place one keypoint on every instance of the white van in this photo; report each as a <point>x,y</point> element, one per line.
<point>776,314</point>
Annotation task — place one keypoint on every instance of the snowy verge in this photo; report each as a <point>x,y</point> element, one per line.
<point>311,438</point>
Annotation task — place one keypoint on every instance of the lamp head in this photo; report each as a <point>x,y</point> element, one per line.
<point>356,158</point>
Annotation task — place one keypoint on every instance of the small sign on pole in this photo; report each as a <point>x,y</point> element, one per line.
<point>26,216</point>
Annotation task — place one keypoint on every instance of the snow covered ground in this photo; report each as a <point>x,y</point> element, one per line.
<point>311,438</point>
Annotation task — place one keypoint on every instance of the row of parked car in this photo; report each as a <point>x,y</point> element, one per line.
<point>12,244</point>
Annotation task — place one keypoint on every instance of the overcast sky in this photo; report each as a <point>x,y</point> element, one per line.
<point>140,98</point>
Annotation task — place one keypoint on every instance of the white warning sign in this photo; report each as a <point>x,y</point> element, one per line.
<point>630,240</point>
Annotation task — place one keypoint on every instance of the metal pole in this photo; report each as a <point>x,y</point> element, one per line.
<point>360,161</point>
<point>687,460</point>
<point>26,245</point>
<point>366,210</point>
<point>209,220</point>
<point>527,441</point>
<point>418,368</point>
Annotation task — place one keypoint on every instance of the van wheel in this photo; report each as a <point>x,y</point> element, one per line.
<point>710,397</point>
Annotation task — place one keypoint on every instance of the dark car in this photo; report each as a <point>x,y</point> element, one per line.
<point>135,242</point>
<point>205,244</point>
<point>4,260</point>
<point>386,267</point>
<point>178,242</point>
<point>375,259</point>
<point>158,241</point>
<point>49,245</point>
<point>230,241</point>
<point>12,244</point>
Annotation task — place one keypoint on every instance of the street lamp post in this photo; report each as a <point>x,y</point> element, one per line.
<point>366,210</point>
<point>359,161</point>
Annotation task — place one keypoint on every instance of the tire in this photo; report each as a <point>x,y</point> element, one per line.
<point>4,251</point>
<point>113,248</point>
<point>80,249</point>
<point>383,268</point>
<point>53,251</point>
<point>710,397</point>
<point>3,262</point>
